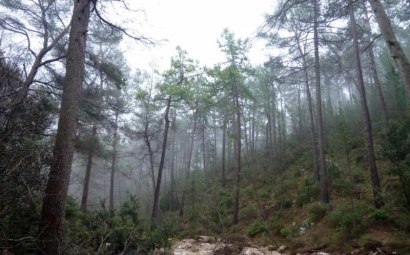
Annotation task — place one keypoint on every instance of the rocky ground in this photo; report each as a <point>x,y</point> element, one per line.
<point>206,245</point>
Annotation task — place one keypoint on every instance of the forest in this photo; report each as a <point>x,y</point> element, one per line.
<point>308,152</point>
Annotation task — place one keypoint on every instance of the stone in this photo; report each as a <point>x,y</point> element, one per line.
<point>282,248</point>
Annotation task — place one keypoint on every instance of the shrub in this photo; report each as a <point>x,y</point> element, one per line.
<point>249,212</point>
<point>108,232</point>
<point>257,227</point>
<point>307,192</point>
<point>379,215</point>
<point>318,211</point>
<point>349,221</point>
<point>287,232</point>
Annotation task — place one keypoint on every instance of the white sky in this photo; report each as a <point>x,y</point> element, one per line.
<point>196,25</point>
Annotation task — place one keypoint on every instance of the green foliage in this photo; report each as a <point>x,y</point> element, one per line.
<point>288,232</point>
<point>249,212</point>
<point>379,215</point>
<point>307,192</point>
<point>285,202</point>
<point>333,170</point>
<point>105,232</point>
<point>318,211</point>
<point>350,222</point>
<point>396,148</point>
<point>257,227</point>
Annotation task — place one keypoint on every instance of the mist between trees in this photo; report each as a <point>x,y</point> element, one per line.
<point>96,158</point>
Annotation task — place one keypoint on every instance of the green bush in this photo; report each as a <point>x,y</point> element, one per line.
<point>318,211</point>
<point>350,222</point>
<point>288,232</point>
<point>379,215</point>
<point>257,227</point>
<point>249,212</point>
<point>285,202</point>
<point>308,191</point>
<point>108,232</point>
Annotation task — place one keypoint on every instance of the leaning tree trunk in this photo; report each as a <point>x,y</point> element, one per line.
<point>155,209</point>
<point>55,195</point>
<point>378,199</point>
<point>396,51</point>
<point>323,179</point>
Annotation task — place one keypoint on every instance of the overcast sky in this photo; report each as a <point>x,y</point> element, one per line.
<point>196,25</point>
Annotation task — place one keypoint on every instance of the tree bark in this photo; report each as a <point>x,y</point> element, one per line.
<point>87,177</point>
<point>238,155</point>
<point>374,74</point>
<point>54,201</point>
<point>188,167</point>
<point>155,209</point>
<point>322,157</point>
<point>172,195</point>
<point>396,51</point>
<point>378,199</point>
<point>313,137</point>
<point>114,160</point>
<point>223,152</point>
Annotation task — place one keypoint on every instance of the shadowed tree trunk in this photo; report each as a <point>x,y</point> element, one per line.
<point>378,199</point>
<point>155,209</point>
<point>171,195</point>
<point>114,160</point>
<point>87,177</point>
<point>238,155</point>
<point>188,166</point>
<point>311,115</point>
<point>55,195</point>
<point>373,71</point>
<point>322,160</point>
<point>223,152</point>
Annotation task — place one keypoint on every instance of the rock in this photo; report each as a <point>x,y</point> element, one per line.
<point>226,249</point>
<point>282,248</point>
<point>256,251</point>
<point>206,239</point>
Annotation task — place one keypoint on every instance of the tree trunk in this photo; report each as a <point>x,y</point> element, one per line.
<point>87,177</point>
<point>238,156</point>
<point>373,70</point>
<point>55,195</point>
<point>311,116</point>
<point>114,160</point>
<point>188,167</point>
<point>223,152</point>
<point>396,51</point>
<point>155,209</point>
<point>172,195</point>
<point>378,199</point>
<point>323,178</point>
<point>151,154</point>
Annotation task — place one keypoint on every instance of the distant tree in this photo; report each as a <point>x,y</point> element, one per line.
<point>174,88</point>
<point>231,79</point>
